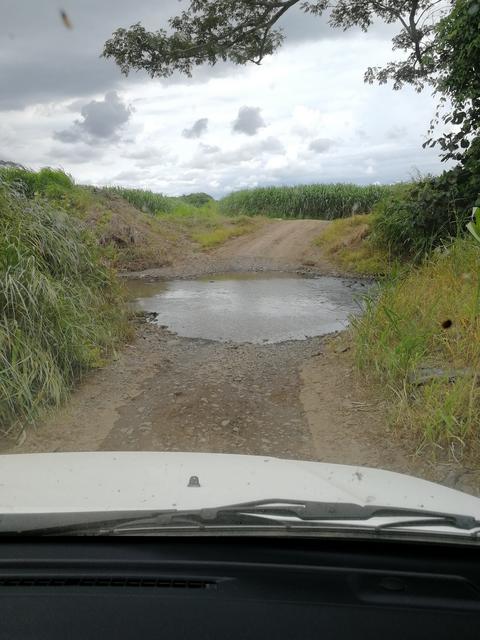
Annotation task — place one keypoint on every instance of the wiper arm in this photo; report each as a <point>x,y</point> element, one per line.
<point>299,513</point>
<point>277,511</point>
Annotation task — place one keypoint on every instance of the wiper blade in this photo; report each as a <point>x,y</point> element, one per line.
<point>270,512</point>
<point>298,513</point>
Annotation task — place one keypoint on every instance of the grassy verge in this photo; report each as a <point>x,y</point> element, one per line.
<point>347,243</point>
<point>60,306</point>
<point>421,340</point>
<point>205,226</point>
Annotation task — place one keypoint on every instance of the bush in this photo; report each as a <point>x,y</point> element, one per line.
<point>197,199</point>
<point>418,217</point>
<point>59,305</point>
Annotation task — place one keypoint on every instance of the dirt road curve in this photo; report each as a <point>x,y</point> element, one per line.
<point>285,245</point>
<point>286,241</point>
<point>297,399</point>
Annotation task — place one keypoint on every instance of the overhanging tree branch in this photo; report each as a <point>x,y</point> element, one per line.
<point>242,31</point>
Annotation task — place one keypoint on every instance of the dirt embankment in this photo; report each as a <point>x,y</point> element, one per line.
<point>298,399</point>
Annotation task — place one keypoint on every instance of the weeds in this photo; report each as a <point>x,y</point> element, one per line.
<point>427,319</point>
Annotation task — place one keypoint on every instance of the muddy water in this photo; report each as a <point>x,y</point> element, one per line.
<point>252,307</point>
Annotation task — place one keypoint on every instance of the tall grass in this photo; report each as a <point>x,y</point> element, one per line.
<point>146,201</point>
<point>428,320</point>
<point>48,182</point>
<point>58,306</point>
<point>53,184</point>
<point>158,203</point>
<point>325,201</point>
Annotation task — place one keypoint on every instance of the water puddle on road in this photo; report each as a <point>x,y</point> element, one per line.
<point>250,307</point>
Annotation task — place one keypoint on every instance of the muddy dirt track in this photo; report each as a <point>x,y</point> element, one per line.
<point>297,399</point>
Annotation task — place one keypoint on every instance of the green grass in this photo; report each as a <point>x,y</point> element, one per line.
<point>146,201</point>
<point>429,316</point>
<point>158,203</point>
<point>225,230</point>
<point>60,311</point>
<point>347,243</point>
<point>53,185</point>
<point>325,201</point>
<point>206,226</point>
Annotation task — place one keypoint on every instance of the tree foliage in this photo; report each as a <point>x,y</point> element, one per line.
<point>457,59</point>
<point>242,31</point>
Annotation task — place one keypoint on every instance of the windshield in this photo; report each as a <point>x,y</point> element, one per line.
<point>239,265</point>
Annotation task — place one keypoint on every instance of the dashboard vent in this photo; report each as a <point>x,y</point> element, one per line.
<point>105,581</point>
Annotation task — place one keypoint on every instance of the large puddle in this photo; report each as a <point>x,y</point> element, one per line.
<point>253,307</point>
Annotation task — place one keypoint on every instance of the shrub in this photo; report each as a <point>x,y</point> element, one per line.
<point>418,217</point>
<point>197,199</point>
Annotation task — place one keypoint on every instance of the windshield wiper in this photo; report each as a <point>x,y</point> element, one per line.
<point>266,513</point>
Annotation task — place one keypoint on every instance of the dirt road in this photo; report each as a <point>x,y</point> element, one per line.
<point>286,242</point>
<point>285,245</point>
<point>297,399</point>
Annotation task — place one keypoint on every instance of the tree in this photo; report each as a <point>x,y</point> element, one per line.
<point>243,31</point>
<point>457,59</point>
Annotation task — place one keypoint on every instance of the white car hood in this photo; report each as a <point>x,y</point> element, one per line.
<point>104,481</point>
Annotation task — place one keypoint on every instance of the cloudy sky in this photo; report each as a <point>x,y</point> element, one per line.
<point>304,115</point>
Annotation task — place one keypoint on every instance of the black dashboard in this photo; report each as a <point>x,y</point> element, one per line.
<point>236,588</point>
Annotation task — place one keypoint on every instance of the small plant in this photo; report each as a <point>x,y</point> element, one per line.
<point>474,225</point>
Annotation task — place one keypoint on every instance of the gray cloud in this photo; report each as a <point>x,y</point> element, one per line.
<point>100,120</point>
<point>149,156</point>
<point>271,145</point>
<point>320,145</point>
<point>208,148</point>
<point>75,154</point>
<point>198,128</point>
<point>215,157</point>
<point>248,121</point>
